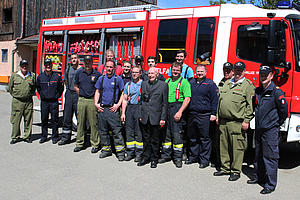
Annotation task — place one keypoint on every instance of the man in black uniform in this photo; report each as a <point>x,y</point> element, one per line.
<point>202,111</point>
<point>50,87</point>
<point>153,114</point>
<point>271,110</point>
<point>71,99</point>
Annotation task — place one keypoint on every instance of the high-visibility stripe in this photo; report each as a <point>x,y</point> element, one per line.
<point>177,147</point>
<point>66,131</point>
<point>130,143</point>
<point>167,145</point>
<point>106,148</point>
<point>119,148</point>
<point>177,90</point>
<point>139,144</point>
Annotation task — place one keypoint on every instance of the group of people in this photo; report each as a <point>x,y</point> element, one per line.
<point>164,120</point>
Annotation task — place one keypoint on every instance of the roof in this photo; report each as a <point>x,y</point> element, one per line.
<point>34,39</point>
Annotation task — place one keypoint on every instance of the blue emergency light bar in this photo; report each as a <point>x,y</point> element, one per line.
<point>285,4</point>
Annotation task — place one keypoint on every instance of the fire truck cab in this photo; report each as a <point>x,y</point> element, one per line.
<point>210,34</point>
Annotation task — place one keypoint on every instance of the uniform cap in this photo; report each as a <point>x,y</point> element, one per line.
<point>228,65</point>
<point>239,65</point>
<point>88,59</point>
<point>23,62</point>
<point>48,61</point>
<point>139,58</point>
<point>265,69</point>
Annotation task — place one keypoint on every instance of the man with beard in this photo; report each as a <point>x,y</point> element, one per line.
<point>108,100</point>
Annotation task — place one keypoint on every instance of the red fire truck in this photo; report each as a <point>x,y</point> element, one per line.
<point>213,34</point>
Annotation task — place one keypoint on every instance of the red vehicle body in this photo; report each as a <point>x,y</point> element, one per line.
<point>225,33</point>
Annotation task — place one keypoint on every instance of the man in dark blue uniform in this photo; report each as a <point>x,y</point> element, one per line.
<point>85,79</point>
<point>202,110</point>
<point>50,87</point>
<point>108,100</point>
<point>71,99</point>
<point>271,110</point>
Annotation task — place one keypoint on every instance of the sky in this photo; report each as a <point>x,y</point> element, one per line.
<point>181,3</point>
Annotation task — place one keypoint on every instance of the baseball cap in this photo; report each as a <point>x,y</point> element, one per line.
<point>88,59</point>
<point>48,61</point>
<point>228,65</point>
<point>239,65</point>
<point>139,58</point>
<point>23,62</point>
<point>265,69</point>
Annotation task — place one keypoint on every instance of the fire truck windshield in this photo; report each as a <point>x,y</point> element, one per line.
<point>297,42</point>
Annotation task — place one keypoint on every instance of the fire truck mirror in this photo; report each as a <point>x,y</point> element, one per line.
<point>275,34</point>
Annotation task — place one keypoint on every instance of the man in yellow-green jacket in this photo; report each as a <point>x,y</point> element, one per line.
<point>22,86</point>
<point>234,114</point>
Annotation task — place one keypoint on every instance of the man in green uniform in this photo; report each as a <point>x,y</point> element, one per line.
<point>21,86</point>
<point>234,114</point>
<point>178,100</point>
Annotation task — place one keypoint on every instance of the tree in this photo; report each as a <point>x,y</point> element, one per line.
<point>270,4</point>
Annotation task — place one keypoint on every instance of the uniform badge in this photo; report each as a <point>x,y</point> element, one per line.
<point>93,78</point>
<point>282,101</point>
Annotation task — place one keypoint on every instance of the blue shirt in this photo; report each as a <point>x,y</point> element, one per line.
<point>135,89</point>
<point>189,74</point>
<point>108,89</point>
<point>86,82</point>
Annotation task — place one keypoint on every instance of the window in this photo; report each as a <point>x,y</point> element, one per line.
<point>171,38</point>
<point>4,55</point>
<point>205,38</point>
<point>7,15</point>
<point>252,45</point>
<point>297,49</point>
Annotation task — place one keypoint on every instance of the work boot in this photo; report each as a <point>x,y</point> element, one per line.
<point>105,154</point>
<point>77,149</point>
<point>63,142</point>
<point>221,173</point>
<point>15,141</point>
<point>94,150</point>
<point>178,163</point>
<point>164,160</point>
<point>129,157</point>
<point>121,157</point>
<point>234,177</point>
<point>28,140</point>
<point>138,158</point>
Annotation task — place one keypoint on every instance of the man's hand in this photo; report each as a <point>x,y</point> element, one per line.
<point>99,108</point>
<point>123,117</point>
<point>177,116</point>
<point>217,121</point>
<point>245,126</point>
<point>162,122</point>
<point>212,118</point>
<point>114,108</point>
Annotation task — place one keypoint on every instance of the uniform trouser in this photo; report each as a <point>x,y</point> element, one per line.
<point>232,146</point>
<point>111,121</point>
<point>266,157</point>
<point>134,143</point>
<point>21,109</point>
<point>174,135</point>
<point>51,107</point>
<point>198,133</point>
<point>215,144</point>
<point>70,107</point>
<point>151,141</point>
<point>86,110</point>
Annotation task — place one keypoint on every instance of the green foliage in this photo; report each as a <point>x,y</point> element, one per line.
<point>269,4</point>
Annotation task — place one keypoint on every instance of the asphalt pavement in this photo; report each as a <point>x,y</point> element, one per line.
<point>48,171</point>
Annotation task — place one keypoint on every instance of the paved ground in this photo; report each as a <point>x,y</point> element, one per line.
<point>47,171</point>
